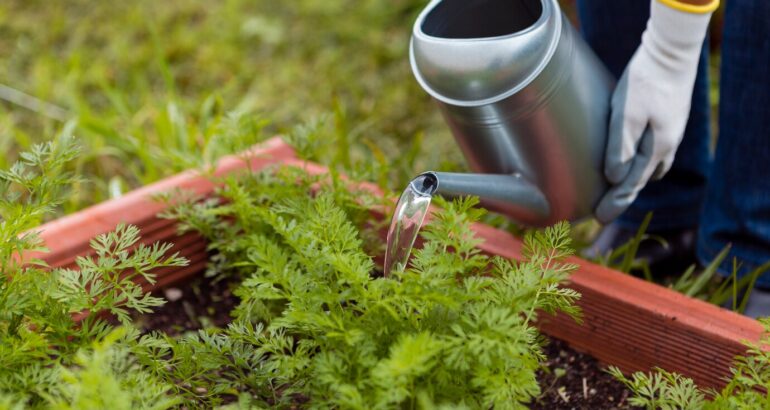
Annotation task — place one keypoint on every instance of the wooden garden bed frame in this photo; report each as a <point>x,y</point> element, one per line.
<point>628,322</point>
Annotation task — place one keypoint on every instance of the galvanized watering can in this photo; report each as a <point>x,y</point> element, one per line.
<point>526,99</point>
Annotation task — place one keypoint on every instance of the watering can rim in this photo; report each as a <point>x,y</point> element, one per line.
<point>550,14</point>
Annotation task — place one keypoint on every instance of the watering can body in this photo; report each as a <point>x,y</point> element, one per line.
<point>526,100</point>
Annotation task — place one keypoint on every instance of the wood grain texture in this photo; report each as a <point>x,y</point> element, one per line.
<point>637,325</point>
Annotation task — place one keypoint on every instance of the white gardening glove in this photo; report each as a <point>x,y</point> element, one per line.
<point>651,103</point>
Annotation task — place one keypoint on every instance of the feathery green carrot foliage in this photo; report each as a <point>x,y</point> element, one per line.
<point>317,325</point>
<point>47,359</point>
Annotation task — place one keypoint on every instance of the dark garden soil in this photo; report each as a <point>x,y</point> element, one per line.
<point>572,380</point>
<point>199,303</point>
<point>577,381</point>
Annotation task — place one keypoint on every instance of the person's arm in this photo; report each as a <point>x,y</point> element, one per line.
<point>651,103</point>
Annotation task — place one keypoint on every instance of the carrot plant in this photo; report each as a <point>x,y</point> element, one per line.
<point>47,358</point>
<point>318,326</point>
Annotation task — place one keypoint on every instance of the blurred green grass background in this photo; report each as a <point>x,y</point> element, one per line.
<point>153,87</point>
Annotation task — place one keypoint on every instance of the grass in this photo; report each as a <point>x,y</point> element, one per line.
<point>152,87</point>
<point>730,291</point>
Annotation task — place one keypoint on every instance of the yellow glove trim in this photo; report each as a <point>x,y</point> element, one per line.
<point>691,8</point>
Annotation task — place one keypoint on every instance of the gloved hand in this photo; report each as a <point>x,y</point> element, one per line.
<point>651,103</point>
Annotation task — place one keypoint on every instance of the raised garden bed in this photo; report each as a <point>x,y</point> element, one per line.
<point>627,322</point>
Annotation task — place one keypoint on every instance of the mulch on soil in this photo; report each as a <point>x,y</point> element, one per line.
<point>573,380</point>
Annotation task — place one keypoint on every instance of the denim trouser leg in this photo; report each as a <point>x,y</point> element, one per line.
<point>737,207</point>
<point>614,29</point>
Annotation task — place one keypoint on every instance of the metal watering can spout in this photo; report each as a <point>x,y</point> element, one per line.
<point>511,194</point>
<point>526,100</point>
